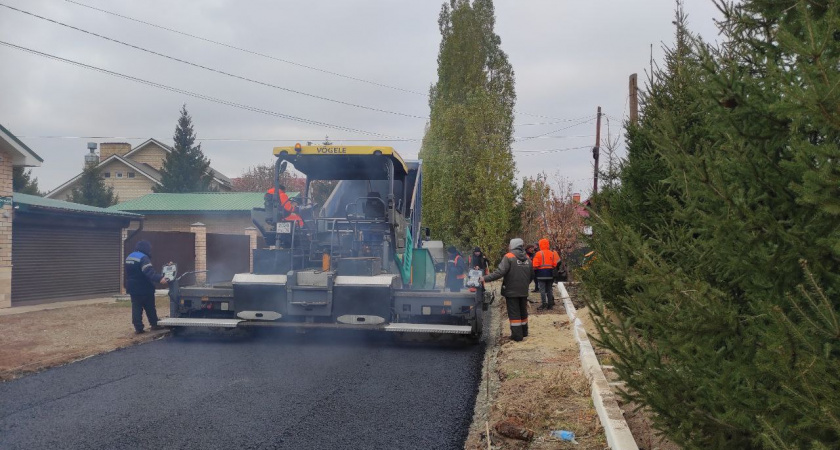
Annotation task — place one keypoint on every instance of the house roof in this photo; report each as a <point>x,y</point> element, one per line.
<point>199,202</point>
<point>216,174</point>
<point>25,202</point>
<point>23,155</point>
<point>144,169</point>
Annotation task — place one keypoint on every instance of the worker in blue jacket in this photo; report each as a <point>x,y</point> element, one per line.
<point>140,279</point>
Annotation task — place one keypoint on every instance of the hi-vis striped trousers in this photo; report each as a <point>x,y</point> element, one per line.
<point>517,308</point>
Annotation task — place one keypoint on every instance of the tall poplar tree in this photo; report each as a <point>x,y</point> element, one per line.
<point>185,168</point>
<point>469,189</point>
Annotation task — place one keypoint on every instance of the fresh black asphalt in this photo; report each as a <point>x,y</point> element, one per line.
<point>320,390</point>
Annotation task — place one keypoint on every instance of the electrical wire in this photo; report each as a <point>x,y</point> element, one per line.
<point>240,77</point>
<point>261,139</point>
<point>233,47</point>
<point>128,138</point>
<point>286,61</point>
<point>550,123</point>
<point>588,120</point>
<point>192,94</point>
<point>550,150</point>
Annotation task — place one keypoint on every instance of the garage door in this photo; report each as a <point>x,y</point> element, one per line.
<point>52,263</point>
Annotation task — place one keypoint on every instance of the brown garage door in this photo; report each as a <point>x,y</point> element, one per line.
<point>175,246</point>
<point>51,263</point>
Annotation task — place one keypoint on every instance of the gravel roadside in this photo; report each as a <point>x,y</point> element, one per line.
<point>37,340</point>
<point>535,386</point>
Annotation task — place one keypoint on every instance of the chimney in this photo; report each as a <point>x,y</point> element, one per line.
<point>106,149</point>
<point>576,198</point>
<point>91,159</point>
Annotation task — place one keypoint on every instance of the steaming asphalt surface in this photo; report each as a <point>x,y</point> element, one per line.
<point>321,390</point>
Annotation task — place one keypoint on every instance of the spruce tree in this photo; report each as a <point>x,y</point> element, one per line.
<point>91,189</point>
<point>185,168</point>
<point>23,182</point>
<point>716,281</point>
<point>469,169</point>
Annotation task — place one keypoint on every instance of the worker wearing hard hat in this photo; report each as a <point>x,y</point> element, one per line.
<point>286,204</point>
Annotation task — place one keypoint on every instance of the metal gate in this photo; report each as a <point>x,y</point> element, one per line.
<point>227,255</point>
<point>64,263</point>
<point>175,246</point>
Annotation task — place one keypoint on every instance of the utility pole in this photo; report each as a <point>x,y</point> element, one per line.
<point>634,100</point>
<point>596,151</point>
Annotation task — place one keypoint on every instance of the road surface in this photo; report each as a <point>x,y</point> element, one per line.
<point>321,390</point>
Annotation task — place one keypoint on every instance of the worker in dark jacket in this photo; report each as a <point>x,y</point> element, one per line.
<point>517,272</point>
<point>545,261</point>
<point>531,250</point>
<point>456,270</point>
<point>479,262</point>
<point>140,279</point>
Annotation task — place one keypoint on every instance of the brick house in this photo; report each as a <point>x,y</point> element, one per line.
<point>132,172</point>
<point>13,153</point>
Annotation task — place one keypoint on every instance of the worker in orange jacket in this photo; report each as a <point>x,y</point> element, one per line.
<point>545,260</point>
<point>287,205</point>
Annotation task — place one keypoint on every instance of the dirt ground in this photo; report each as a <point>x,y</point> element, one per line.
<point>538,386</point>
<point>38,340</point>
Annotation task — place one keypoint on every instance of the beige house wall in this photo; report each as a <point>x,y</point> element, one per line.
<point>234,223</point>
<point>150,154</point>
<point>6,230</point>
<point>125,188</point>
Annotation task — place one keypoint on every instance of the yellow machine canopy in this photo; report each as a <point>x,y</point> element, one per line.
<point>339,162</point>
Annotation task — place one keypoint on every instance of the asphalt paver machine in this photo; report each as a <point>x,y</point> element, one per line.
<point>355,262</point>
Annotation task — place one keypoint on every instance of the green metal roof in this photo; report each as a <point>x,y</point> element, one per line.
<point>25,202</point>
<point>219,202</point>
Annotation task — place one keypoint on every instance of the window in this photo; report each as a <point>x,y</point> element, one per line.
<point>107,174</point>
<point>119,174</point>
<point>130,174</point>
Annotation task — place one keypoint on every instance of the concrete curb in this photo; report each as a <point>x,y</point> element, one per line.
<point>611,417</point>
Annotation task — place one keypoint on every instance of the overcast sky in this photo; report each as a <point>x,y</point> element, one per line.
<point>569,58</point>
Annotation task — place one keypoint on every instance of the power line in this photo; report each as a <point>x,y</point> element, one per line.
<point>225,139</point>
<point>192,94</point>
<point>550,150</point>
<point>555,122</point>
<point>588,120</point>
<point>128,138</point>
<point>240,77</point>
<point>233,47</point>
<point>286,61</point>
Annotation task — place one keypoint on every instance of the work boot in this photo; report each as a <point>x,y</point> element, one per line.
<point>516,333</point>
<point>156,327</point>
<point>541,307</point>
<point>524,331</point>
<point>140,331</point>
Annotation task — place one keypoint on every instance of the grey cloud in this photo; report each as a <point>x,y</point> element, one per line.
<point>569,57</point>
